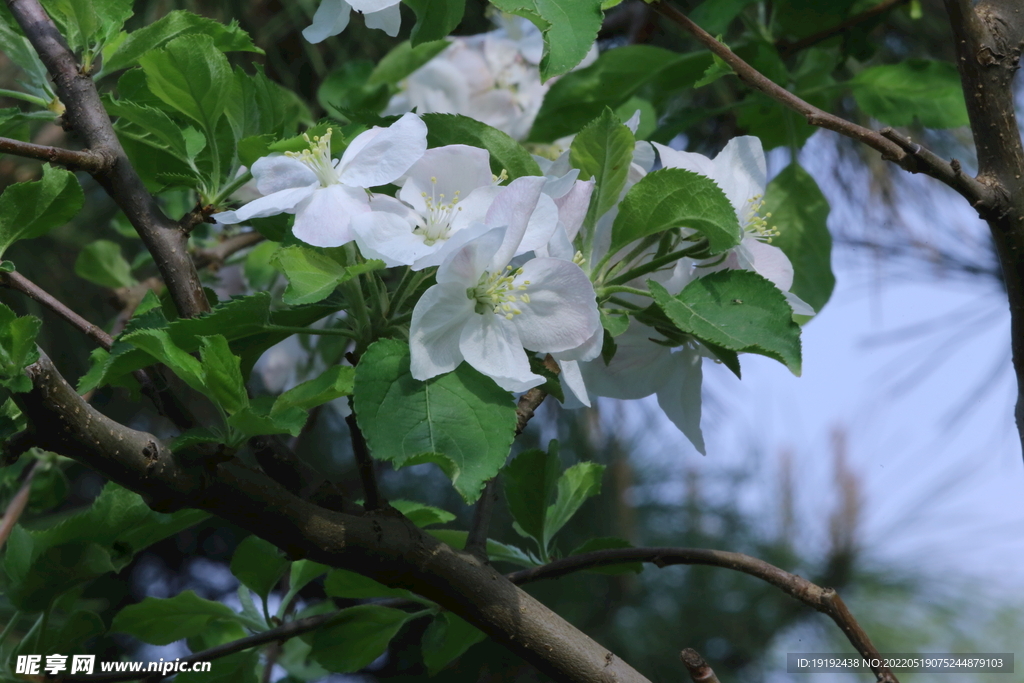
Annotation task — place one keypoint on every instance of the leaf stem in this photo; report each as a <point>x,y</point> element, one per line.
<point>604,292</point>
<point>24,97</point>
<point>230,188</point>
<point>327,332</point>
<point>655,264</point>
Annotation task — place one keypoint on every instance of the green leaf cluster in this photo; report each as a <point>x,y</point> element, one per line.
<point>17,348</point>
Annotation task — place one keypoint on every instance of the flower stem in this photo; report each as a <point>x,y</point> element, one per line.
<point>228,189</point>
<point>24,97</point>
<point>655,264</point>
<point>605,292</point>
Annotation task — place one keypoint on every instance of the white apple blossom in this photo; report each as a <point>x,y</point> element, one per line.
<point>739,170</point>
<point>492,77</point>
<point>444,203</point>
<point>485,313</point>
<point>331,17</point>
<point>325,193</point>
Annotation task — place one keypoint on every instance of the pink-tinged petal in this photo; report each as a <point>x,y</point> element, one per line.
<point>561,314</point>
<point>284,201</point>
<point>278,172</point>
<point>513,208</point>
<point>324,219</point>
<point>437,322</point>
<point>388,20</point>
<point>572,379</point>
<point>330,19</point>
<point>741,173</point>
<point>767,261</point>
<point>572,207</point>
<point>366,6</point>
<point>541,226</point>
<point>446,170</point>
<point>382,155</point>
<point>388,237</point>
<point>465,266</point>
<point>491,344</point>
<point>639,368</point>
<point>680,396</point>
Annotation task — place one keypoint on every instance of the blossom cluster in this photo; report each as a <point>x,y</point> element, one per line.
<point>509,280</point>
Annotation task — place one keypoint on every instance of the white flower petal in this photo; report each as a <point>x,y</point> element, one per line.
<point>562,311</point>
<point>799,306</point>
<point>572,379</point>
<point>445,248</point>
<point>279,172</point>
<point>366,6</point>
<point>572,207</point>
<point>643,155</point>
<point>767,261</point>
<point>513,208</point>
<point>324,219</point>
<point>680,396</point>
<point>639,367</point>
<point>741,173</point>
<point>388,19</point>
<point>330,19</point>
<point>445,171</point>
<point>465,266</point>
<point>491,344</point>
<point>557,187</point>
<point>389,237</point>
<point>437,322</point>
<point>541,226</point>
<point>284,201</point>
<point>382,155</point>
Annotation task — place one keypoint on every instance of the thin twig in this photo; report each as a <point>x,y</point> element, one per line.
<point>824,600</point>
<point>20,283</point>
<point>364,462</point>
<point>980,196</point>
<point>476,541</point>
<point>787,48</point>
<point>17,504</point>
<point>75,160</point>
<point>699,670</point>
<point>216,256</point>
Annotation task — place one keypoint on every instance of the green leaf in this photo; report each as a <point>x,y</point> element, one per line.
<point>714,16</point>
<point>237,668</point>
<point>403,60</point>
<point>506,154</point>
<point>347,89</point>
<point>800,211</point>
<point>258,106</point>
<point>192,76</point>
<point>259,565</point>
<point>569,26</point>
<point>78,628</point>
<point>223,374</point>
<point>435,19</point>
<point>159,130</point>
<point>341,583</point>
<point>19,50</point>
<point>614,324</point>
<point>252,421</point>
<point>304,571</point>
<point>158,344</point>
<point>579,482</point>
<point>102,264</point>
<point>421,514</point>
<point>12,421</point>
<point>604,543</point>
<point>926,90</point>
<point>7,267</point>
<point>313,275</point>
<point>676,198</point>
<point>737,310</point>
<point>356,637</point>
<point>579,97</point>
<point>32,209</point>
<point>529,483</point>
<point>446,639</point>
<point>17,348</point>
<point>160,621</point>
<point>51,571</point>
<point>335,382</point>
<point>496,552</point>
<point>461,420</point>
<point>603,151</point>
<point>226,38</point>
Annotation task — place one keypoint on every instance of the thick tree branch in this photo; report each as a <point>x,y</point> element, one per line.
<point>824,600</point>
<point>86,116</point>
<point>382,544</point>
<point>84,160</point>
<point>978,194</point>
<point>989,37</point>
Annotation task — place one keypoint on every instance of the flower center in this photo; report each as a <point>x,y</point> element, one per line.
<point>318,158</point>
<point>498,293</point>
<point>757,225</point>
<point>436,224</point>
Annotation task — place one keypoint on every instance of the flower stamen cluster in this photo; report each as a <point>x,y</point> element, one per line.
<point>758,225</point>
<point>318,158</point>
<point>497,293</point>
<point>436,224</point>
